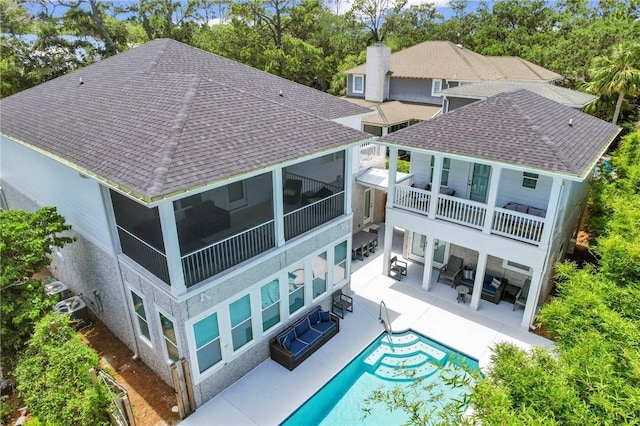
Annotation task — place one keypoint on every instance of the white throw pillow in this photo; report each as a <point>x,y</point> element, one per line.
<point>496,283</point>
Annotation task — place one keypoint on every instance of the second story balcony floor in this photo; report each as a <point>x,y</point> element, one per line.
<point>192,239</point>
<point>492,198</point>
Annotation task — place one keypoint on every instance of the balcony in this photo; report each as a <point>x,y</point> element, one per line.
<point>505,222</point>
<point>319,203</point>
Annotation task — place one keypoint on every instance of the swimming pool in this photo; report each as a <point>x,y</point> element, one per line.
<point>341,400</point>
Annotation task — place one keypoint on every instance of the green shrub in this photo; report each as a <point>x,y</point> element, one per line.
<point>53,376</point>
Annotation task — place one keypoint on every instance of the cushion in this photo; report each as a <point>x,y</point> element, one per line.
<point>468,273</point>
<point>298,347</point>
<point>537,212</point>
<point>325,316</point>
<point>428,187</point>
<point>324,192</point>
<point>310,337</point>
<point>287,339</point>
<point>510,206</point>
<point>314,317</point>
<point>447,191</point>
<point>487,279</point>
<point>521,208</point>
<point>302,327</point>
<point>324,327</point>
<point>286,343</point>
<point>496,282</point>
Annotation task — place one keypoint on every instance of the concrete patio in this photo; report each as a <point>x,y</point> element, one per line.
<point>270,393</point>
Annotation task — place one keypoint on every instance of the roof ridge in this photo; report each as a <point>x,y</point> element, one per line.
<point>170,146</point>
<point>458,51</point>
<point>536,128</point>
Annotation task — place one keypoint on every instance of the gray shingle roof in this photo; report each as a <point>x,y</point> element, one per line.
<point>485,89</point>
<point>165,117</point>
<point>519,128</point>
<point>445,60</point>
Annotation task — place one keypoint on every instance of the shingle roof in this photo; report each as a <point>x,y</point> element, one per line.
<point>395,112</point>
<point>165,117</point>
<point>485,89</point>
<point>519,128</point>
<point>445,60</point>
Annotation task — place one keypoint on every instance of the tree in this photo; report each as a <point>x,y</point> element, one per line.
<point>372,14</point>
<point>26,244</point>
<point>617,74</point>
<point>53,376</point>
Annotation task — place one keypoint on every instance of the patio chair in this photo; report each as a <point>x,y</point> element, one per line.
<point>398,268</point>
<point>452,271</point>
<point>521,295</point>
<point>291,191</point>
<point>341,303</point>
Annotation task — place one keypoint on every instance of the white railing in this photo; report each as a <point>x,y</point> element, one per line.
<point>520,226</point>
<point>459,210</point>
<point>221,255</point>
<point>413,199</point>
<point>315,214</point>
<point>150,258</point>
<point>371,154</point>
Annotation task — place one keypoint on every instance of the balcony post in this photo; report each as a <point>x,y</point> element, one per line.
<point>428,264</point>
<point>391,197</point>
<point>494,183</point>
<point>347,179</point>
<point>278,206</point>
<point>552,211</point>
<point>435,185</point>
<point>478,280</point>
<point>532,298</point>
<point>172,248</point>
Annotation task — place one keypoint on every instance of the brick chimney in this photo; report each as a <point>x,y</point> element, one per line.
<point>377,79</point>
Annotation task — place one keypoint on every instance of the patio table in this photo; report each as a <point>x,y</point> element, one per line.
<point>362,240</point>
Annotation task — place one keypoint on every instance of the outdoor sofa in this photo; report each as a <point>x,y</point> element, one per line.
<point>492,286</point>
<point>300,340</point>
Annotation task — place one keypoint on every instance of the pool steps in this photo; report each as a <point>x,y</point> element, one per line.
<point>408,351</point>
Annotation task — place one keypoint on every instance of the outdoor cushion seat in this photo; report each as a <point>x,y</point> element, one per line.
<point>322,193</point>
<point>489,291</point>
<point>291,191</point>
<point>300,340</point>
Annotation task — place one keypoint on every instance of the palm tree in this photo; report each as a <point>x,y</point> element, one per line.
<point>617,74</point>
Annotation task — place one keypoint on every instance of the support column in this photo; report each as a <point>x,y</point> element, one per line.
<point>491,198</point>
<point>435,185</point>
<point>478,279</point>
<point>532,298</point>
<point>428,264</point>
<point>552,211</point>
<point>278,206</point>
<point>347,179</point>
<point>391,195</point>
<point>172,248</point>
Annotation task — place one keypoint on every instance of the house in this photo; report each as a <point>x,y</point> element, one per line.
<point>418,74</point>
<point>501,184</point>
<point>458,96</point>
<point>208,199</point>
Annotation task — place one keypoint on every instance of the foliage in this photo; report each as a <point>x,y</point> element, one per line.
<point>617,75</point>
<point>404,166</point>
<point>53,376</point>
<point>26,244</point>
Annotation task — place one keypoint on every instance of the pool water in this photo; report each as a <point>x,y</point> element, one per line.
<point>384,364</point>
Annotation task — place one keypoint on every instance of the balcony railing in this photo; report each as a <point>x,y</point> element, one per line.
<point>520,226</point>
<point>413,199</point>
<point>221,255</point>
<point>371,154</point>
<point>459,210</point>
<point>146,256</point>
<point>312,185</point>
<point>315,214</point>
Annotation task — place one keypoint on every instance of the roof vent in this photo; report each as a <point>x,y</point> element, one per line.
<point>80,80</point>
<point>571,122</point>
<point>459,46</point>
<point>281,94</point>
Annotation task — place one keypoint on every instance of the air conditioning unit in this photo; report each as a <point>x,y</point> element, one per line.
<point>57,288</point>
<point>75,307</point>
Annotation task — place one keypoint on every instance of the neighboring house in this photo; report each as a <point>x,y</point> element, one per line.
<point>501,183</point>
<point>465,94</point>
<point>209,200</point>
<point>418,74</point>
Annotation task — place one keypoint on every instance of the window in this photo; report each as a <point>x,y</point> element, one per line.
<point>319,274</point>
<point>529,180</point>
<point>436,87</point>
<point>207,336</point>
<point>340,262</point>
<point>270,295</point>
<point>446,166</point>
<point>169,335</point>
<point>358,84</point>
<point>397,127</point>
<point>141,315</point>
<point>241,327</point>
<point>517,267</point>
<point>296,289</point>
